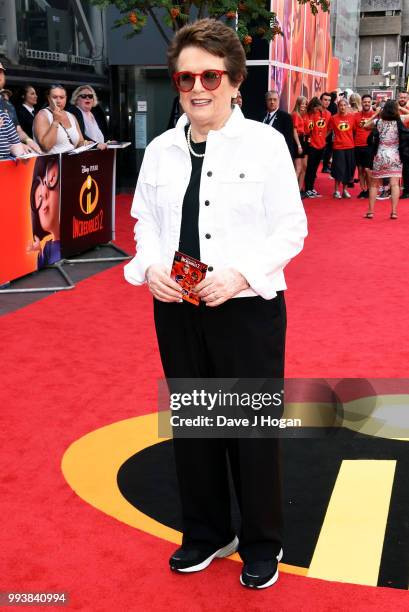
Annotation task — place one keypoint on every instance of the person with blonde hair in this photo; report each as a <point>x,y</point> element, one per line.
<point>83,101</point>
<point>355,102</point>
<point>301,156</point>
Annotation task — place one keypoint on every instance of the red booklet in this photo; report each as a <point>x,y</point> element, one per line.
<point>188,272</point>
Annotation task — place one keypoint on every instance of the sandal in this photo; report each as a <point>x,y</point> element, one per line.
<point>369,215</point>
<point>394,215</point>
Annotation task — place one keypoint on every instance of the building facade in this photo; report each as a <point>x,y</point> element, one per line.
<point>370,38</point>
<point>45,41</point>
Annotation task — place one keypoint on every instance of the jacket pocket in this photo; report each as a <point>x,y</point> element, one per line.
<point>165,187</point>
<point>242,191</point>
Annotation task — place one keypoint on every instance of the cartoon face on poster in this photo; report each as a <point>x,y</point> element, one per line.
<point>30,220</point>
<point>45,210</point>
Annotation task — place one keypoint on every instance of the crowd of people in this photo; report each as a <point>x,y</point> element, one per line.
<point>356,138</point>
<point>350,135</point>
<point>56,127</point>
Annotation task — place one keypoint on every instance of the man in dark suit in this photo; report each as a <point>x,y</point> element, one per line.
<point>279,119</point>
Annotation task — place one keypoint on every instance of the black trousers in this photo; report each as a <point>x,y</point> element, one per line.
<point>327,151</point>
<point>405,177</point>
<point>314,158</point>
<point>244,337</point>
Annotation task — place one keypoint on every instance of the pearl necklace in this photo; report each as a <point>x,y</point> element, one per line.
<point>189,143</point>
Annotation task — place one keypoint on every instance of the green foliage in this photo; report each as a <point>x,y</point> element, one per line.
<point>250,16</point>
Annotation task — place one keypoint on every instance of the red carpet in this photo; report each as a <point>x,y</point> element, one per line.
<point>80,360</point>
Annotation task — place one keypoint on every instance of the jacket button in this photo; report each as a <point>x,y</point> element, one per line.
<point>209,173</point>
<point>210,269</point>
<point>242,175</point>
<point>208,236</point>
<point>207,202</point>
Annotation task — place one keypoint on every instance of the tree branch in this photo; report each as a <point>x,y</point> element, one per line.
<point>159,26</point>
<point>201,8</point>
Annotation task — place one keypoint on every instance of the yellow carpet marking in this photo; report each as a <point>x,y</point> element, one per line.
<point>90,466</point>
<point>350,544</point>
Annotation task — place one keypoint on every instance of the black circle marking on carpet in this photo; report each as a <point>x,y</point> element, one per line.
<point>147,480</point>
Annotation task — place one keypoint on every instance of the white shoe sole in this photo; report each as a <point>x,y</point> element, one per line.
<point>226,551</point>
<point>272,580</point>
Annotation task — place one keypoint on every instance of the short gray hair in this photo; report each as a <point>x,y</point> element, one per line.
<point>272,91</point>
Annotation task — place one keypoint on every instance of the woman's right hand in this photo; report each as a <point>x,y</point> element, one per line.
<point>162,287</point>
<point>58,114</point>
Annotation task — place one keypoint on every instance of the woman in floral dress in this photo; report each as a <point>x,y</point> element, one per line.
<point>386,163</point>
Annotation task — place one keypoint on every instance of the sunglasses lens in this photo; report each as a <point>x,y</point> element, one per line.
<point>211,79</point>
<point>185,81</point>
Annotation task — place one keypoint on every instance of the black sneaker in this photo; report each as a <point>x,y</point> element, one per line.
<point>405,195</point>
<point>363,194</point>
<point>261,574</point>
<point>195,560</point>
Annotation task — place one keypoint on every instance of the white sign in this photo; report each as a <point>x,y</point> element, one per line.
<point>140,131</point>
<point>141,106</point>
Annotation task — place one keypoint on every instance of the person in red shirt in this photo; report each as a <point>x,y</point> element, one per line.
<point>362,150</point>
<point>343,157</point>
<point>316,122</point>
<point>301,155</point>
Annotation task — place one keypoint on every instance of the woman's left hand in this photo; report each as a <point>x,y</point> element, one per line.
<point>221,286</point>
<point>102,146</point>
<point>34,146</point>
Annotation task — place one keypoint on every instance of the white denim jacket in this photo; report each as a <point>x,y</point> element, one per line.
<point>251,216</point>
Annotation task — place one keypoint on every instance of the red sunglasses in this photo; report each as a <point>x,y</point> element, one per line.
<point>210,79</point>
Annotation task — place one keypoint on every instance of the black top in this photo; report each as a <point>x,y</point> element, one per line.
<point>26,119</point>
<point>99,117</point>
<point>283,123</point>
<point>189,243</point>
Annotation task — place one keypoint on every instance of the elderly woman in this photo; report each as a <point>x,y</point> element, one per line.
<point>55,129</point>
<point>84,99</point>
<point>221,189</point>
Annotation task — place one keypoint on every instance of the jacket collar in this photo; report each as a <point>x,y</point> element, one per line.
<point>232,128</point>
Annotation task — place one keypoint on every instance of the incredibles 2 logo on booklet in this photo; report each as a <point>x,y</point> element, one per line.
<point>86,207</point>
<point>188,272</point>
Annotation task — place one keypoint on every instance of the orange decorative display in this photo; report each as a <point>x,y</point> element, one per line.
<point>301,58</point>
